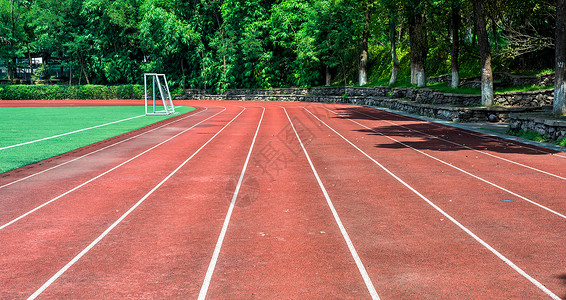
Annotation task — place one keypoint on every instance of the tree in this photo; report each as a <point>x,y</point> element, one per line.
<point>14,35</point>
<point>485,53</point>
<point>294,42</point>
<point>559,105</point>
<point>367,6</point>
<point>526,27</point>
<point>168,39</point>
<point>391,8</point>
<point>223,44</point>
<point>59,32</point>
<point>455,22</point>
<point>418,40</point>
<point>112,41</point>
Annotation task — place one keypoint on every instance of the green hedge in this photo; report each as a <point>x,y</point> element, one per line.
<point>62,92</point>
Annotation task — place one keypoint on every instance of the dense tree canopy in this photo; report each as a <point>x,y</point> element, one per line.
<point>221,44</point>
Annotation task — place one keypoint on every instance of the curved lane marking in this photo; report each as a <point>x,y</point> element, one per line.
<point>109,146</point>
<point>68,133</point>
<point>107,231</point>
<point>100,175</point>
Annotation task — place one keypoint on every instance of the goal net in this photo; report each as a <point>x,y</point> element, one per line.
<point>157,97</point>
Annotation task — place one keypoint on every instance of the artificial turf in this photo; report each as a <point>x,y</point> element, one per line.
<point>24,124</point>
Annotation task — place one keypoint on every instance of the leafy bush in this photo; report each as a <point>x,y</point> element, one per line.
<point>529,135</point>
<point>61,92</point>
<point>442,87</point>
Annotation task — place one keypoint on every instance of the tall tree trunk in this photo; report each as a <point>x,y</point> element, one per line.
<point>559,105</point>
<point>204,75</point>
<point>12,71</point>
<point>394,58</point>
<point>455,82</point>
<point>363,78</point>
<point>485,54</point>
<point>29,63</point>
<point>412,51</point>
<point>15,66</point>
<point>494,31</point>
<point>83,71</point>
<point>419,47</point>
<point>183,72</point>
<point>413,73</point>
<point>224,67</point>
<point>343,65</point>
<point>328,76</point>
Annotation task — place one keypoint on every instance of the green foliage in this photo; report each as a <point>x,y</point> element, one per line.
<point>40,73</point>
<point>61,92</point>
<point>381,64</point>
<point>524,88</point>
<point>529,135</point>
<point>442,87</point>
<point>221,44</point>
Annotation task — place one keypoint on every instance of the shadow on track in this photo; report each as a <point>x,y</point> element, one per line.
<point>563,278</point>
<point>431,141</point>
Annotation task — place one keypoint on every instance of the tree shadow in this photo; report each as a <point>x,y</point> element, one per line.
<point>562,277</point>
<point>423,136</point>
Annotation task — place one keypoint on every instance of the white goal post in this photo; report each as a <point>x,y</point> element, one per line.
<point>155,88</point>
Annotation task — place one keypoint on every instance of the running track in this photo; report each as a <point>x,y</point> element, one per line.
<point>288,201</point>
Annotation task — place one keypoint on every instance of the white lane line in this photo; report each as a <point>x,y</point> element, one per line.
<point>453,220</point>
<point>457,144</point>
<point>353,252</point>
<point>109,146</point>
<point>100,175</point>
<point>105,233</point>
<point>463,171</point>
<point>68,133</point>
<point>217,248</point>
<point>466,131</point>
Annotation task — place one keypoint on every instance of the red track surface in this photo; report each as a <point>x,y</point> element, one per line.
<point>431,212</point>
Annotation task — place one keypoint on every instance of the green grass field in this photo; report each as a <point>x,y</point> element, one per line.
<point>22,127</point>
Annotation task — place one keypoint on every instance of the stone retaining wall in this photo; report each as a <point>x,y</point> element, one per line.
<point>443,112</point>
<point>430,96</point>
<point>449,113</point>
<point>425,96</point>
<point>426,102</point>
<point>525,99</point>
<point>501,79</point>
<point>545,124</point>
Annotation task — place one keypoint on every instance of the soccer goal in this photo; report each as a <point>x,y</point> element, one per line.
<point>157,97</point>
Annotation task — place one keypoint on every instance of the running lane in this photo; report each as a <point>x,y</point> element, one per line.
<point>493,164</point>
<point>29,187</point>
<point>458,139</point>
<point>360,211</point>
<point>35,247</point>
<point>187,212</point>
<point>282,241</point>
<point>529,237</point>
